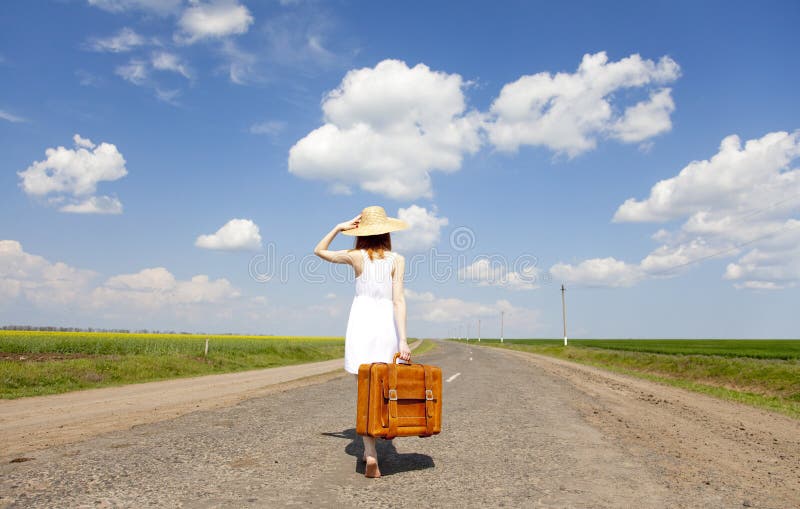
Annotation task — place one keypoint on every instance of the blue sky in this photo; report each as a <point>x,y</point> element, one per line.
<point>207,144</point>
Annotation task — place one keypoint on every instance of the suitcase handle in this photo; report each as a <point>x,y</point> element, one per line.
<point>397,356</point>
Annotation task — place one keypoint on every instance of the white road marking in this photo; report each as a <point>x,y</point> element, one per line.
<point>453,377</point>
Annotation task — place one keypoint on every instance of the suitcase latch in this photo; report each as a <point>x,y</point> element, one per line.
<point>428,395</point>
<point>392,394</point>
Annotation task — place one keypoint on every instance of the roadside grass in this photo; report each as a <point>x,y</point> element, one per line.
<point>426,346</point>
<point>107,359</point>
<point>766,376</point>
<point>755,348</point>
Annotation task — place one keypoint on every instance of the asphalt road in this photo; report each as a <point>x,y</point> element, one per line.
<point>511,437</point>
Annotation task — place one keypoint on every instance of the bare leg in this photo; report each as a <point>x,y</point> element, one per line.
<point>369,447</point>
<point>370,455</point>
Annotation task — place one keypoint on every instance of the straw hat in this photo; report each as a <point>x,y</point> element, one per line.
<point>374,222</point>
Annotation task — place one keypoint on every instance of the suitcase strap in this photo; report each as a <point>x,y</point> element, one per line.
<point>429,405</point>
<point>428,401</point>
<point>392,400</point>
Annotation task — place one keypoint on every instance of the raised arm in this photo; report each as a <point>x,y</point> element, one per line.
<point>399,301</point>
<point>341,256</point>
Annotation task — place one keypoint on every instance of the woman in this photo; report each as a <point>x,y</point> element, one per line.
<point>376,329</point>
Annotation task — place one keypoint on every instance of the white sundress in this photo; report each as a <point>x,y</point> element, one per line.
<point>371,334</point>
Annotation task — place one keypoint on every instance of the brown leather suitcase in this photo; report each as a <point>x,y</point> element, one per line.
<point>399,400</point>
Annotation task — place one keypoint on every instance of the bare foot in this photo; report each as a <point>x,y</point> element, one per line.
<point>372,470</point>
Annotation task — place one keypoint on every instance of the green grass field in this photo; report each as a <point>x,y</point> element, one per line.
<point>764,373</point>
<point>753,348</point>
<point>34,363</point>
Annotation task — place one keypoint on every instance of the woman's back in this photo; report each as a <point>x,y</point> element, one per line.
<point>375,279</point>
<point>371,335</point>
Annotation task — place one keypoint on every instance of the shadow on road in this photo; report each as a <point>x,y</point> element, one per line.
<point>391,461</point>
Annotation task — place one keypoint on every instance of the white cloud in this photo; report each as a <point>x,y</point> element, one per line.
<point>736,180</point>
<point>569,112</point>
<point>298,40</point>
<point>415,296</point>
<point>168,96</point>
<point>773,265</point>
<point>743,201</point>
<point>56,288</point>
<point>74,171</point>
<point>646,119</point>
<point>236,234</point>
<point>427,307</point>
<point>135,71</point>
<point>83,142</point>
<point>339,188</point>
<point>495,271</point>
<point>213,19</point>
<point>241,65</point>
<point>269,127</point>
<point>156,287</point>
<point>124,40</point>
<point>759,285</point>
<point>138,71</point>
<point>424,232</point>
<point>386,128</point>
<point>444,309</point>
<point>680,253</point>
<point>158,278</point>
<point>598,272</point>
<point>11,117</point>
<point>95,205</point>
<point>73,175</point>
<point>160,7</point>
<point>165,61</point>
<point>37,280</point>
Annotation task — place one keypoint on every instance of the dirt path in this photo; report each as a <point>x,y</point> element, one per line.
<point>700,442</point>
<point>30,424</point>
<point>519,431</point>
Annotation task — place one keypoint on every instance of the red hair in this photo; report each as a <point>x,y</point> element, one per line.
<point>374,244</point>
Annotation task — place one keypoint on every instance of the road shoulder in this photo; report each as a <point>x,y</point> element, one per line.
<point>34,423</point>
<point>698,440</point>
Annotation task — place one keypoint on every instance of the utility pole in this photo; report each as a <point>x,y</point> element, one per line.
<point>479,331</point>
<point>502,313</point>
<point>564,311</point>
<point>467,331</point>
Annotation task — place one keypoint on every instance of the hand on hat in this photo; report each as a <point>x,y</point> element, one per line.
<point>349,225</point>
